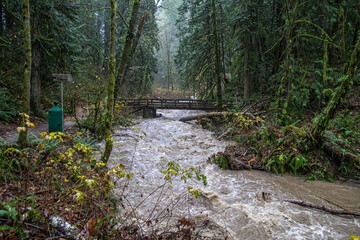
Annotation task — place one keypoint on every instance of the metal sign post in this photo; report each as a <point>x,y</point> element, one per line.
<point>62,78</point>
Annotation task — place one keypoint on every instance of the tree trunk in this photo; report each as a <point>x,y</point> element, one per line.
<point>216,54</point>
<point>144,86</point>
<point>208,115</point>
<point>168,72</point>
<point>329,112</point>
<point>1,18</point>
<point>27,72</point>
<point>133,49</point>
<point>106,43</point>
<point>332,50</point>
<point>223,48</point>
<point>127,49</point>
<point>35,99</point>
<point>278,21</point>
<point>246,59</point>
<point>111,85</point>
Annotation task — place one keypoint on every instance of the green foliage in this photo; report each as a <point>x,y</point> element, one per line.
<point>10,162</point>
<point>8,106</point>
<point>87,141</point>
<point>349,126</point>
<point>298,163</point>
<point>222,162</point>
<point>174,170</point>
<point>57,165</point>
<point>15,218</point>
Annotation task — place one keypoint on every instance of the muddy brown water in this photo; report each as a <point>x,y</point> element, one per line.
<point>229,206</point>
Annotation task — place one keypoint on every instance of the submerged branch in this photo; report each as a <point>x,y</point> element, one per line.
<point>329,210</point>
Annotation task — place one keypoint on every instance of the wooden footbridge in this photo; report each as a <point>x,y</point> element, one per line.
<point>149,106</point>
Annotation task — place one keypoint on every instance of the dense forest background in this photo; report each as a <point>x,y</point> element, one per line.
<point>295,60</point>
<point>292,51</point>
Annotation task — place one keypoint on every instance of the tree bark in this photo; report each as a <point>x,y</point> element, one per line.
<point>322,122</point>
<point>1,18</point>
<point>216,53</point>
<point>111,85</point>
<point>127,49</point>
<point>35,94</point>
<point>27,71</point>
<point>144,85</point>
<point>133,49</point>
<point>106,43</point>
<point>246,60</point>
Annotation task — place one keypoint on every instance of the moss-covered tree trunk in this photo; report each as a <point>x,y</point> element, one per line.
<point>27,72</point>
<point>125,57</point>
<point>322,121</point>
<point>216,53</point>
<point>111,85</point>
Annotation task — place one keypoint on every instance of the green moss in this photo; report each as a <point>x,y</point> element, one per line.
<point>222,162</point>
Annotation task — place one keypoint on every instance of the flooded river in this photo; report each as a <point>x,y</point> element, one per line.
<point>231,206</point>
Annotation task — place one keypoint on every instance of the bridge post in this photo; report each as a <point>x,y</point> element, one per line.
<point>149,112</point>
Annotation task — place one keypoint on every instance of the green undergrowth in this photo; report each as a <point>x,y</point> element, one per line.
<point>290,149</point>
<point>56,175</point>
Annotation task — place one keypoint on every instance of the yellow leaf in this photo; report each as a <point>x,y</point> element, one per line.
<point>79,196</point>
<point>354,238</point>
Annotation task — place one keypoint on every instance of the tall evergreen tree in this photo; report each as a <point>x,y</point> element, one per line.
<point>111,84</point>
<point>27,73</point>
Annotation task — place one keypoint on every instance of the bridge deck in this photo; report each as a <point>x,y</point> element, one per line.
<point>187,104</point>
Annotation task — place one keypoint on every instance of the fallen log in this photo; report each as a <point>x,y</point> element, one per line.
<point>207,115</point>
<point>339,154</point>
<point>323,208</point>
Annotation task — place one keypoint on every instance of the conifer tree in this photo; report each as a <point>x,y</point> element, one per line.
<point>27,73</point>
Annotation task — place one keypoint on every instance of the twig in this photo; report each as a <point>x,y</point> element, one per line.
<point>335,212</point>
<point>33,226</point>
<point>57,237</point>
<point>224,134</point>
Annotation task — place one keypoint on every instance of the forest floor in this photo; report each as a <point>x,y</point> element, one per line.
<point>8,131</point>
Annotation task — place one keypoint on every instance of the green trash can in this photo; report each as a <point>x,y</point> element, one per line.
<point>55,119</point>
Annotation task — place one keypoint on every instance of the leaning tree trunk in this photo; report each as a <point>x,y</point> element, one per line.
<point>329,112</point>
<point>216,53</point>
<point>133,49</point>
<point>127,49</point>
<point>27,73</point>
<point>111,85</point>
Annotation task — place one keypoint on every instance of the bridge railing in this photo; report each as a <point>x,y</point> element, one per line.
<point>170,103</point>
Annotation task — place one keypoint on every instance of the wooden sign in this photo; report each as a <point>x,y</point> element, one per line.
<point>62,77</point>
